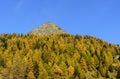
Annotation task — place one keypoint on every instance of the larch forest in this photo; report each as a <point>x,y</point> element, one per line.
<point>56,54</point>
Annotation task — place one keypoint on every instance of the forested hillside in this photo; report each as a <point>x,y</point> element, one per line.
<point>60,56</point>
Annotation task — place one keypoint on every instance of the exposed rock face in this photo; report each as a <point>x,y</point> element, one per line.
<point>47,29</point>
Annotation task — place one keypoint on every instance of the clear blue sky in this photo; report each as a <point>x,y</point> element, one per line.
<point>99,18</point>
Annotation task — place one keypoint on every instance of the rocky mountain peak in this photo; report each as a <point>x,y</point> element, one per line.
<point>47,29</point>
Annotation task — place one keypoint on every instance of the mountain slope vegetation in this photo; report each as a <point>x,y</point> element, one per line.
<point>60,56</point>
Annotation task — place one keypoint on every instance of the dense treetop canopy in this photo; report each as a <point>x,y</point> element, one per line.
<point>57,56</point>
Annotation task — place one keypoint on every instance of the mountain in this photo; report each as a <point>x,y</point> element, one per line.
<point>57,55</point>
<point>47,29</point>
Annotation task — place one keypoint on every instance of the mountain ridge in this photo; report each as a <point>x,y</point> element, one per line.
<point>47,29</point>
